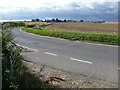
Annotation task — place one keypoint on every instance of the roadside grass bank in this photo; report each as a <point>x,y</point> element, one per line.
<point>76,35</point>
<point>15,73</point>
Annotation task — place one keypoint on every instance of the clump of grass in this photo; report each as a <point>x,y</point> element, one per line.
<point>76,35</point>
<point>14,72</point>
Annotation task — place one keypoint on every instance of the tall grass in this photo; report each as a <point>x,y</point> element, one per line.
<point>14,72</point>
<point>12,65</point>
<point>76,35</point>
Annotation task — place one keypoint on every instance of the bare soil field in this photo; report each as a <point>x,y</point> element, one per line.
<point>108,27</point>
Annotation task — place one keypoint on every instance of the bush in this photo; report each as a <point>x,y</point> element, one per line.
<point>12,24</point>
<point>30,26</point>
<point>11,60</point>
<point>14,73</point>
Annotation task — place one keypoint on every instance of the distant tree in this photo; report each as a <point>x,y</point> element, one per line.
<point>48,20</point>
<point>65,20</point>
<point>53,20</point>
<point>81,20</point>
<point>33,20</point>
<point>70,21</point>
<point>57,20</point>
<point>103,21</point>
<point>41,20</point>
<point>37,20</point>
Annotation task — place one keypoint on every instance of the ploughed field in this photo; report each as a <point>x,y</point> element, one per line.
<point>108,27</point>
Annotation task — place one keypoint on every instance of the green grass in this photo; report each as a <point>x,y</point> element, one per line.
<point>15,74</point>
<point>76,35</point>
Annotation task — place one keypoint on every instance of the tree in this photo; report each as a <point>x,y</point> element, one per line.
<point>57,20</point>
<point>65,20</point>
<point>33,20</point>
<point>53,20</point>
<point>81,20</point>
<point>45,20</point>
<point>37,20</point>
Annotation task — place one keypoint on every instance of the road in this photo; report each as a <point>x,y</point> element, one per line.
<point>96,61</point>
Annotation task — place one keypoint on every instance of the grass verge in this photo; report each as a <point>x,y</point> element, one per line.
<point>76,35</point>
<point>15,74</point>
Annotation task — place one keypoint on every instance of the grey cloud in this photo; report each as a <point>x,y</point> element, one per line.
<point>98,13</point>
<point>103,8</point>
<point>74,4</point>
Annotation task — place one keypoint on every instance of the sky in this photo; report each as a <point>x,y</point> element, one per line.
<point>88,10</point>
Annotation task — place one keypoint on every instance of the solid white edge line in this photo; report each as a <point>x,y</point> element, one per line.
<point>98,44</point>
<point>50,53</point>
<point>81,61</point>
<point>103,45</point>
<point>26,47</point>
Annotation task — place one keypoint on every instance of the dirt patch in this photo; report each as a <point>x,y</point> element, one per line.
<point>71,81</point>
<point>108,27</point>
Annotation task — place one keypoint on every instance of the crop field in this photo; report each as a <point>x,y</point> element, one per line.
<point>108,27</point>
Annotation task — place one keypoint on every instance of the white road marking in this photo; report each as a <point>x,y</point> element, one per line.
<point>103,45</point>
<point>81,61</point>
<point>50,54</point>
<point>26,47</point>
<point>98,44</point>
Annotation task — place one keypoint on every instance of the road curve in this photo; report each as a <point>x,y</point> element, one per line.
<point>91,60</point>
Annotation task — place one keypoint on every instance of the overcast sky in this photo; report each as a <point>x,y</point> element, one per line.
<point>91,10</point>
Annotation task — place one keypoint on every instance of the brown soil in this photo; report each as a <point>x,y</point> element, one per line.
<point>108,27</point>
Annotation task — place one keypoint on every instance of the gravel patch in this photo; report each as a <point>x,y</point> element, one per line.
<point>71,81</point>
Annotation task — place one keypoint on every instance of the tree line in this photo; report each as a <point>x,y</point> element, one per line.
<point>54,20</point>
<point>65,20</point>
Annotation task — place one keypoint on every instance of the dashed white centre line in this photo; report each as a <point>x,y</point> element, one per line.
<point>81,61</point>
<point>26,47</point>
<point>50,53</point>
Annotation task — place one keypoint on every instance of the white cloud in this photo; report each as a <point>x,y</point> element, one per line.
<point>90,6</point>
<point>47,3</point>
<point>7,10</point>
<point>50,8</point>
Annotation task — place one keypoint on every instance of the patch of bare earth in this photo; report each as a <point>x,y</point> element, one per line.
<point>63,79</point>
<point>108,27</point>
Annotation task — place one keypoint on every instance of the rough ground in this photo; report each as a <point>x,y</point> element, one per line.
<point>71,81</point>
<point>108,27</point>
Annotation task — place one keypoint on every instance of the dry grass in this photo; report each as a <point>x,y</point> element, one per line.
<point>38,23</point>
<point>110,23</point>
<point>108,27</point>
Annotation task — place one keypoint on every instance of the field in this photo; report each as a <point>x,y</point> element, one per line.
<point>75,35</point>
<point>108,27</point>
<point>82,31</point>
<point>37,23</point>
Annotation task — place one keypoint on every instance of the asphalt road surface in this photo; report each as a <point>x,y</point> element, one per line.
<point>96,61</point>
